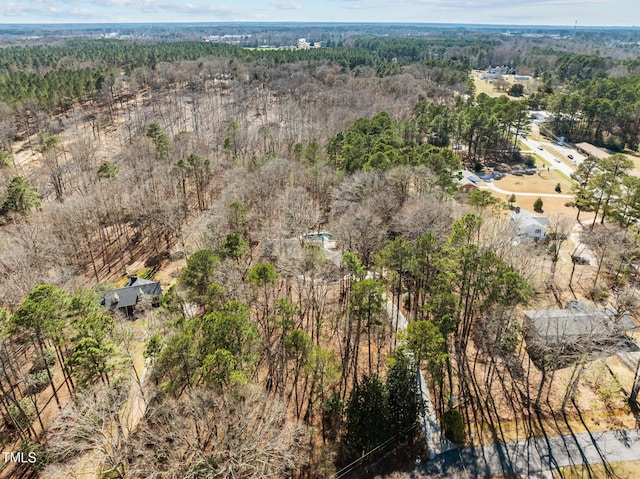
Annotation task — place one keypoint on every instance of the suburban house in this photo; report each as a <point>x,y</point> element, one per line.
<point>527,223</point>
<point>590,150</point>
<point>137,292</point>
<point>303,44</point>
<point>558,337</point>
<point>467,181</point>
<point>496,72</point>
<point>490,76</point>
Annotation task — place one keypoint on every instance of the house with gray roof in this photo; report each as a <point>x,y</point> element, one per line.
<point>467,181</point>
<point>557,337</point>
<point>138,291</point>
<point>526,223</point>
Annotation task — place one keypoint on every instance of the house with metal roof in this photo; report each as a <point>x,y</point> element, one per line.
<point>558,337</point>
<point>590,150</point>
<point>138,291</point>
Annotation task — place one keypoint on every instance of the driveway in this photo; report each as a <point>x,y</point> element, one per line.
<point>492,187</point>
<point>580,248</point>
<point>437,443</point>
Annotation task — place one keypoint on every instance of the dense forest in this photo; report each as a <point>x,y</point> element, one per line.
<point>204,165</point>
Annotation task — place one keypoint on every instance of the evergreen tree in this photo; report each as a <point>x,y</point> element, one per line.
<point>404,400</point>
<point>537,205</point>
<point>93,353</point>
<point>198,274</point>
<point>160,140</point>
<point>234,246</point>
<point>482,198</point>
<point>367,420</point>
<point>41,316</point>
<point>107,170</point>
<point>21,197</point>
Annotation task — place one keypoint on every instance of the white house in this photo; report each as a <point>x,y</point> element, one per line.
<point>490,76</point>
<point>303,44</point>
<point>528,223</point>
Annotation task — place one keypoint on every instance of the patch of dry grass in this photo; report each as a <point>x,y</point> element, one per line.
<point>619,470</point>
<point>543,183</point>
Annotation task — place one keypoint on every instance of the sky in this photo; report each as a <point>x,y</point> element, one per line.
<point>498,12</point>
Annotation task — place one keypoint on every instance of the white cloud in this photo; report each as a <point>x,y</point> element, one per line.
<point>538,12</point>
<point>11,9</point>
<point>501,4</point>
<point>287,5</point>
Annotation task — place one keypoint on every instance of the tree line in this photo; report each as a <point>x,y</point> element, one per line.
<point>58,76</point>
<point>605,188</point>
<point>603,111</point>
<point>485,130</point>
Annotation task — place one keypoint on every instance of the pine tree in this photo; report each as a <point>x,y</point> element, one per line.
<point>21,197</point>
<point>367,422</point>
<point>403,402</point>
<point>537,205</point>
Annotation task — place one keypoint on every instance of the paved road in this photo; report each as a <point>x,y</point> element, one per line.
<point>536,458</point>
<point>550,157</point>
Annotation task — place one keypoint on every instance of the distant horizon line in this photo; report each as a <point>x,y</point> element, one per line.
<point>238,22</point>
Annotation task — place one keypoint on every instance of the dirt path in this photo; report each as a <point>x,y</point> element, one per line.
<point>91,464</point>
<point>136,406</point>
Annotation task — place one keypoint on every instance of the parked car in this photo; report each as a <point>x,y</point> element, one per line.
<point>540,147</point>
<point>570,157</point>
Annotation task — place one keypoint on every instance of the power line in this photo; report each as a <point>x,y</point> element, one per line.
<point>355,464</point>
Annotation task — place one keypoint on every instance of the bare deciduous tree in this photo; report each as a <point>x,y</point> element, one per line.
<point>238,433</point>
<point>555,236</point>
<point>607,242</point>
<point>91,432</point>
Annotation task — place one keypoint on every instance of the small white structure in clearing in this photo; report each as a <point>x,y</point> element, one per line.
<point>528,223</point>
<point>323,239</point>
<point>303,44</point>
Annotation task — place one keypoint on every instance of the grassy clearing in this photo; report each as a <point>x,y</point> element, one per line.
<point>543,182</point>
<point>483,86</point>
<point>619,470</point>
<point>541,161</point>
